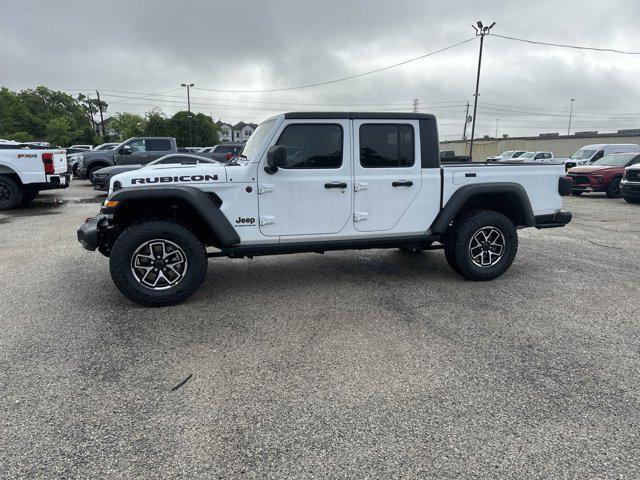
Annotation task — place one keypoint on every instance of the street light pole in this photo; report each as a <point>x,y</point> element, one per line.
<point>481,31</point>
<point>497,120</point>
<point>189,85</point>
<point>570,115</point>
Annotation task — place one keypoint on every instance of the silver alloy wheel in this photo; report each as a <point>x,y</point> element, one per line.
<point>159,264</point>
<point>486,246</point>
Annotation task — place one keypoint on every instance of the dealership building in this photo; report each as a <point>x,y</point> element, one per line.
<point>560,145</point>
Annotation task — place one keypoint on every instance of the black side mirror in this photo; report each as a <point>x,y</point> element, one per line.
<point>126,150</point>
<point>276,157</point>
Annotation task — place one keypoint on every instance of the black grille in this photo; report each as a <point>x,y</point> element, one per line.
<point>578,179</point>
<point>633,175</point>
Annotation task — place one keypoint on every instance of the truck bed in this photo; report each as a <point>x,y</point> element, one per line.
<point>533,177</point>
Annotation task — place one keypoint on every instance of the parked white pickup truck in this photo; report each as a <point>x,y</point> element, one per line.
<point>315,182</point>
<point>26,169</point>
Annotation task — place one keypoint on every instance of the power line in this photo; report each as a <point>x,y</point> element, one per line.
<point>342,79</point>
<point>576,47</point>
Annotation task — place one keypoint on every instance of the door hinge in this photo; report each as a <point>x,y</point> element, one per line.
<point>360,186</point>
<point>267,220</point>
<point>360,216</point>
<point>265,189</point>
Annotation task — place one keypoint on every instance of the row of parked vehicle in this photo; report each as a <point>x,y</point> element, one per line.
<point>99,166</point>
<point>28,168</point>
<point>613,169</point>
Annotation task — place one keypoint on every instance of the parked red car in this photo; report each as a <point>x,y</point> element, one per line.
<point>603,175</point>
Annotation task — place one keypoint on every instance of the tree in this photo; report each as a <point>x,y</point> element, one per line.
<point>59,131</point>
<point>157,124</point>
<point>21,137</point>
<point>127,125</point>
<point>204,131</point>
<point>35,113</point>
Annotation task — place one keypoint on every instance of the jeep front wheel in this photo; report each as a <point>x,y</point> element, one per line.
<point>483,246</point>
<point>157,263</point>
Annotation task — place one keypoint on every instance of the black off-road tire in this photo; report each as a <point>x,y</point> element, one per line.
<point>10,193</point>
<point>131,239</point>
<point>613,190</point>
<point>460,242</point>
<point>632,199</point>
<point>28,196</point>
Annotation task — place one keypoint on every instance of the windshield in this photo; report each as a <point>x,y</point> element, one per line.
<point>508,153</point>
<point>582,154</point>
<point>614,160</point>
<point>528,155</point>
<point>256,138</point>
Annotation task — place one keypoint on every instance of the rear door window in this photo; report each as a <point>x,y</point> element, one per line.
<point>386,145</point>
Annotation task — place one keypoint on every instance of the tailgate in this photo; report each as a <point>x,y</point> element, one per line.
<point>59,161</point>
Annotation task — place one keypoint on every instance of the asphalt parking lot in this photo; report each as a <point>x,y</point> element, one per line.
<point>365,364</point>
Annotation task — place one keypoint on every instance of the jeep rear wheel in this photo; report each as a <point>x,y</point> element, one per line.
<point>10,194</point>
<point>482,246</point>
<point>157,263</point>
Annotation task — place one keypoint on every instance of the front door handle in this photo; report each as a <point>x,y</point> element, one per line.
<point>402,183</point>
<point>335,185</point>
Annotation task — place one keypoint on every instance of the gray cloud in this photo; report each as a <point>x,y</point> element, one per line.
<point>153,46</point>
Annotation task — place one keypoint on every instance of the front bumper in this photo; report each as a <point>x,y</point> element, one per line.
<point>101,183</point>
<point>89,233</point>
<point>553,220</point>
<point>629,189</point>
<point>585,183</point>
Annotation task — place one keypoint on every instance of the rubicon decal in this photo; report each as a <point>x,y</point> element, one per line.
<point>181,178</point>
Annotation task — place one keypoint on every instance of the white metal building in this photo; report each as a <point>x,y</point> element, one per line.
<point>561,146</point>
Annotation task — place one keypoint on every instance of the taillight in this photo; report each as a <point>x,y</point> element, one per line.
<point>47,160</point>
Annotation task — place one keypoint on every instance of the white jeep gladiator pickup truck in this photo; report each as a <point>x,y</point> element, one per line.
<point>25,169</point>
<point>315,182</point>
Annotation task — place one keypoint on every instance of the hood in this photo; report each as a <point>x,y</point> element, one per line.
<point>118,169</point>
<point>594,169</point>
<point>89,154</point>
<point>172,175</point>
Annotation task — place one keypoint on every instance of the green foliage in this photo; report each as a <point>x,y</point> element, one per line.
<point>38,113</point>
<point>21,137</point>
<point>59,131</point>
<point>127,125</point>
<point>203,130</point>
<point>157,124</point>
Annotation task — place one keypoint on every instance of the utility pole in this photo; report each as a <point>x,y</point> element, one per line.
<point>481,31</point>
<point>415,105</point>
<point>497,120</point>
<point>189,85</point>
<point>466,122</point>
<point>101,117</point>
<point>570,115</point>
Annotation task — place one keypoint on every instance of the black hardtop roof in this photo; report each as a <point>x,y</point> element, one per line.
<point>360,115</point>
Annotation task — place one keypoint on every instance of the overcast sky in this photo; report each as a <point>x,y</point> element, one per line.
<point>149,47</point>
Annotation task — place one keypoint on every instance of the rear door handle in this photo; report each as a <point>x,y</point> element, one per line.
<point>335,185</point>
<point>402,183</point>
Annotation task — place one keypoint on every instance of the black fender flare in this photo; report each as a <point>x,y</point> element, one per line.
<point>202,203</point>
<point>464,193</point>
